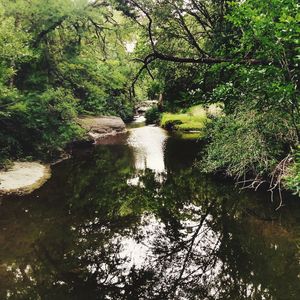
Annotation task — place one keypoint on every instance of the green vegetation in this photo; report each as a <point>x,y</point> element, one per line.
<point>194,119</point>
<point>292,176</point>
<point>58,59</point>
<point>63,58</point>
<point>244,54</point>
<point>191,123</point>
<point>153,115</point>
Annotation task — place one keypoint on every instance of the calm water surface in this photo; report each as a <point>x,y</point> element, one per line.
<point>134,220</point>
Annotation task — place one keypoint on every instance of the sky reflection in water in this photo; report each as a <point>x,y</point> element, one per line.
<point>88,234</point>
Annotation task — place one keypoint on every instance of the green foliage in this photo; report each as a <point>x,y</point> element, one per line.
<point>101,87</point>
<point>14,41</point>
<point>240,145</point>
<point>153,115</point>
<point>39,124</point>
<point>261,102</point>
<point>269,28</point>
<point>292,178</point>
<point>58,59</point>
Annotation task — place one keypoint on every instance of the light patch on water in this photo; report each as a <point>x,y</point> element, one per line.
<point>200,247</point>
<point>138,252</point>
<point>148,145</point>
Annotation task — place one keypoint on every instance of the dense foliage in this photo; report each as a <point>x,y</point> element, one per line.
<point>64,58</point>
<point>262,102</point>
<point>244,54</point>
<point>58,59</point>
<point>153,115</point>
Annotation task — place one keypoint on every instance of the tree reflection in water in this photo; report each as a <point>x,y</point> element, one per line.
<point>87,234</point>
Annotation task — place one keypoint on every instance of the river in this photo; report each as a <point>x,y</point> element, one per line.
<point>134,219</point>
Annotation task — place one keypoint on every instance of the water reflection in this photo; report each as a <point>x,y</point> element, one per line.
<point>148,147</point>
<point>87,234</point>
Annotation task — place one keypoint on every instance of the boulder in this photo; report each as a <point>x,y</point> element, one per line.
<point>101,127</point>
<point>23,177</point>
<point>144,106</point>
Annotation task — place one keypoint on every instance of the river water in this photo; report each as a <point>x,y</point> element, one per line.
<point>133,219</point>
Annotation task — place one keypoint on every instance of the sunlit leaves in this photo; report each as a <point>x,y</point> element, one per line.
<point>269,29</point>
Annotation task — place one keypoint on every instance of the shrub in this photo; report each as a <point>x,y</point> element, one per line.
<point>39,124</point>
<point>153,115</point>
<point>246,143</point>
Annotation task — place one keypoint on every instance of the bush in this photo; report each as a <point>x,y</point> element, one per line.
<point>39,124</point>
<point>246,143</point>
<point>171,124</point>
<point>153,115</point>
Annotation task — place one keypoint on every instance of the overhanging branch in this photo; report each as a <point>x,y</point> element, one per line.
<point>203,57</point>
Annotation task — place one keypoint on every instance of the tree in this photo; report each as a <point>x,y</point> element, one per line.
<point>59,59</point>
<point>246,55</point>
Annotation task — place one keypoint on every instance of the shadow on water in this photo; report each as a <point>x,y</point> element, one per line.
<point>88,234</point>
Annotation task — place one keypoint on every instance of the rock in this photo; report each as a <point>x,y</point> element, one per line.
<point>118,139</point>
<point>102,126</point>
<point>23,177</point>
<point>142,107</point>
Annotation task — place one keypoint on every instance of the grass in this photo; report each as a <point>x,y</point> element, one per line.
<point>192,122</point>
<point>182,121</point>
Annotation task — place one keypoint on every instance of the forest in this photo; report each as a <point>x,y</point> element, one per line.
<point>64,58</point>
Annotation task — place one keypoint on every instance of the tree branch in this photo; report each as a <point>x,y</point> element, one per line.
<point>43,33</point>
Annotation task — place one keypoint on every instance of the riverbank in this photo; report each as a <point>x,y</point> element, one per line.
<point>100,127</point>
<point>23,177</point>
<point>190,123</point>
